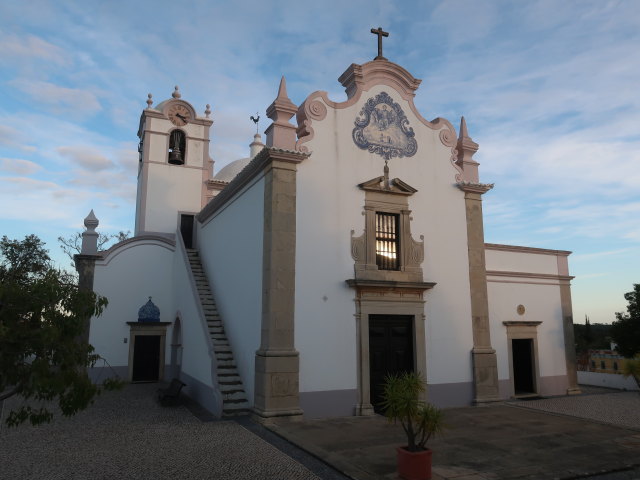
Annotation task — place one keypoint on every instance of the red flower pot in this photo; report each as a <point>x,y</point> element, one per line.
<point>414,465</point>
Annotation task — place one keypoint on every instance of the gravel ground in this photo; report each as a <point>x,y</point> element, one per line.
<point>621,409</point>
<point>126,434</point>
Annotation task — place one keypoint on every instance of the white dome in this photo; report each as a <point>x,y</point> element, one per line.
<point>229,172</point>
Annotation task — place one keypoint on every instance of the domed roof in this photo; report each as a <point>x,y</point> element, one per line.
<point>229,172</point>
<point>149,312</point>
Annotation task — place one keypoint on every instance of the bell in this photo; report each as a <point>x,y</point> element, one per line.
<point>175,157</point>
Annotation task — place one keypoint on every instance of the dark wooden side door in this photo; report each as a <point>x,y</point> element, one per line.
<point>522,354</point>
<point>186,229</point>
<point>390,351</point>
<point>146,358</point>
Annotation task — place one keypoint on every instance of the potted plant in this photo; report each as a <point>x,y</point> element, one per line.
<point>420,421</point>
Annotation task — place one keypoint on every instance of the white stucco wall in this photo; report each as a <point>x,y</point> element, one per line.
<point>330,205</point>
<point>230,245</point>
<point>521,262</point>
<point>171,189</point>
<point>542,303</point>
<point>128,276</point>
<point>609,380</point>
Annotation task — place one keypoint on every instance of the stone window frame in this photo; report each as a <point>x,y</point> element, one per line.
<point>523,330</point>
<point>391,197</point>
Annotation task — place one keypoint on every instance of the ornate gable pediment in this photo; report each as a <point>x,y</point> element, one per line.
<point>396,186</point>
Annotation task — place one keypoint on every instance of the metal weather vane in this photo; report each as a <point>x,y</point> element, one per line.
<point>255,120</point>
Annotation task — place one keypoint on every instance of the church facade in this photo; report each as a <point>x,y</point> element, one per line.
<point>349,246</point>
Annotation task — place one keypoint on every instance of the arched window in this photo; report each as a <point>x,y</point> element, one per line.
<point>177,147</point>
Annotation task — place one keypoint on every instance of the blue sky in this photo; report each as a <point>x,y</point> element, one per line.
<point>550,91</point>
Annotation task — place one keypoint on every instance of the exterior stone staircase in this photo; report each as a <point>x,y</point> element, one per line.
<point>234,399</point>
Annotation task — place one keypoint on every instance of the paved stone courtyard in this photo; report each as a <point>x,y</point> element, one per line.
<point>126,434</point>
<point>619,408</point>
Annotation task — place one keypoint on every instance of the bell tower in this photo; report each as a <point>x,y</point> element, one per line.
<point>174,164</point>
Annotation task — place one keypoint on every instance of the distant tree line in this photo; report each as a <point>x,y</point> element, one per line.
<point>591,336</point>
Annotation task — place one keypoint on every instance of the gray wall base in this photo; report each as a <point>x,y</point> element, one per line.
<point>450,394</point>
<point>556,385</point>
<point>202,394</point>
<point>328,403</point>
<point>98,374</point>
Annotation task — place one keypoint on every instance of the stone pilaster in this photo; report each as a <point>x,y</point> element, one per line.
<point>85,262</point>
<point>485,368</point>
<point>569,341</point>
<point>276,362</point>
<point>85,266</point>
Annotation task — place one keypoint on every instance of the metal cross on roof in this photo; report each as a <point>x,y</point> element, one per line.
<point>380,33</point>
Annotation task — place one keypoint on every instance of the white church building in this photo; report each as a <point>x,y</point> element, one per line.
<point>349,246</point>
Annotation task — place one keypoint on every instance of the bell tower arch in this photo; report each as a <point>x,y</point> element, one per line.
<point>174,164</point>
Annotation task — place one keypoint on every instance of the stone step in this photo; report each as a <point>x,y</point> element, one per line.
<point>230,388</point>
<point>240,412</point>
<point>230,381</point>
<point>237,396</point>
<point>227,367</point>
<point>226,363</point>
<point>228,402</point>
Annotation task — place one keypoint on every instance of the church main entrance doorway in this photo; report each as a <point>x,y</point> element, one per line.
<point>523,366</point>
<point>390,351</point>
<point>146,358</point>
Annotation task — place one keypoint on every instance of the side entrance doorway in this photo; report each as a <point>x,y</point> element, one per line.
<point>523,366</point>
<point>146,358</point>
<point>186,229</point>
<point>390,351</point>
<point>147,341</point>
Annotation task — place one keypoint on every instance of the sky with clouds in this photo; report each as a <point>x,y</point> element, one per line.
<point>550,91</point>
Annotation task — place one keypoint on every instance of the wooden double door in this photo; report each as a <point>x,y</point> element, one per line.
<point>390,351</point>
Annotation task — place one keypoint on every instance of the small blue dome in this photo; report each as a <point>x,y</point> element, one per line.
<point>149,312</point>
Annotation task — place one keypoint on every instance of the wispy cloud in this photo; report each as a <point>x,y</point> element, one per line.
<point>18,166</point>
<point>73,102</point>
<point>17,48</point>
<point>87,158</point>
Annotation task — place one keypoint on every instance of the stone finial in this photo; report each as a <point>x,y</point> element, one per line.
<point>256,146</point>
<point>466,149</point>
<point>149,101</point>
<point>90,236</point>
<point>281,133</point>
<point>387,183</point>
<point>176,92</point>
<point>207,111</point>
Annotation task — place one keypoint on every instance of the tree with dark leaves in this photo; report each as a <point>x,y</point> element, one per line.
<point>625,331</point>
<point>43,314</point>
